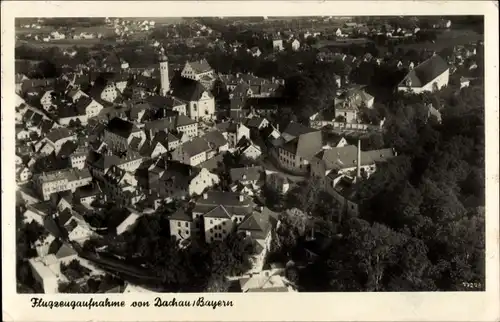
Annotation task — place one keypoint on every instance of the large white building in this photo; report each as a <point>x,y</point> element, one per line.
<point>61,180</point>
<point>199,71</point>
<point>431,75</point>
<point>199,100</point>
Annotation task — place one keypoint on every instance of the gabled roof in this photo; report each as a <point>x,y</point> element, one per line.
<point>200,66</point>
<point>180,214</point>
<point>215,139</point>
<point>247,173</point>
<point>187,89</point>
<point>58,134</point>
<point>295,129</point>
<point>257,221</point>
<point>121,127</point>
<point>218,212</point>
<point>426,71</point>
<point>195,146</point>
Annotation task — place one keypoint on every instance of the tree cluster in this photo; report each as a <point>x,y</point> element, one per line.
<point>421,223</point>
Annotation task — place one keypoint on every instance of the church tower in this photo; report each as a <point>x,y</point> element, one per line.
<point>165,82</point>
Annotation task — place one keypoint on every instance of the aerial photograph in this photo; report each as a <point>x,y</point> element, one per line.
<point>250,154</point>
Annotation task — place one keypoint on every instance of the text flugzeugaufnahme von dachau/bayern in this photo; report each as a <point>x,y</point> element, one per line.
<point>38,302</point>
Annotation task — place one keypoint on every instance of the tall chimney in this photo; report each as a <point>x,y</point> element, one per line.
<point>358,170</point>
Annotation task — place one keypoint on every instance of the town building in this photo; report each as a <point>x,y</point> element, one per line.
<point>429,76</point>
<point>296,146</point>
<point>60,180</point>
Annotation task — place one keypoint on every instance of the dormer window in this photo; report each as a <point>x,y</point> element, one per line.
<point>408,82</point>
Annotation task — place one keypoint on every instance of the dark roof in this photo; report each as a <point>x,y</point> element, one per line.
<point>180,214</point>
<point>426,71</point>
<point>257,221</point>
<point>218,212</point>
<point>58,134</point>
<point>230,127</point>
<point>200,66</point>
<point>64,216</point>
<point>188,89</point>
<point>247,173</point>
<point>215,139</point>
<point>296,129</point>
<point>67,148</point>
<point>230,201</point>
<point>195,146</point>
<point>87,190</point>
<point>121,127</point>
<point>163,102</point>
<point>212,163</point>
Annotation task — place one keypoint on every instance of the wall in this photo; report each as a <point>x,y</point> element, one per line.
<point>202,181</point>
<point>442,81</point>
<point>180,229</point>
<point>215,226</point>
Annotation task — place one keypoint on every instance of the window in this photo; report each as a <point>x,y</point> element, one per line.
<point>178,224</point>
<point>211,221</point>
<point>211,230</point>
<point>187,224</point>
<point>187,232</point>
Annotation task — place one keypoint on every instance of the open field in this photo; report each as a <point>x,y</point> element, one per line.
<point>342,42</point>
<point>65,43</point>
<point>446,39</point>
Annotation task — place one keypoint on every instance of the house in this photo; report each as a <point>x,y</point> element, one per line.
<point>278,181</point>
<point>246,175</point>
<point>255,51</point>
<point>87,194</point>
<point>74,226</point>
<point>119,185</point>
<point>199,101</point>
<point>180,225</point>
<point>58,137</point>
<point>233,132</point>
<point>60,180</point>
<point>257,123</point>
<point>338,32</point>
<point>91,107</point>
<point>78,157</point>
<point>177,123</point>
<point>431,75</point>
<point>46,99</point>
<point>278,44</point>
<point>199,71</point>
<point>46,269</point>
<point>167,104</point>
<point>251,151</point>
<point>175,180</point>
<point>258,227</point>
<point>56,35</point>
<point>295,147</point>
<point>75,94</point>
<point>264,281</point>
<point>156,147</point>
<point>350,102</point>
<point>100,163</point>
<point>295,45</point>
<point>128,224</point>
<point>330,166</point>
<point>119,134</point>
<point>24,174</point>
<point>200,149</point>
<point>220,212</point>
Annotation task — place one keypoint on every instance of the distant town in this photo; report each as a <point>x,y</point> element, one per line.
<point>259,154</point>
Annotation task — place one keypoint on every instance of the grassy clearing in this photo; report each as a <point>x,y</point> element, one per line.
<point>446,39</point>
